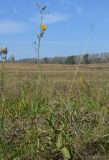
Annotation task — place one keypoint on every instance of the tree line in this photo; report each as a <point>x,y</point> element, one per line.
<point>73,59</point>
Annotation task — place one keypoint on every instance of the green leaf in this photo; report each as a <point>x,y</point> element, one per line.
<point>59,141</point>
<point>66,153</point>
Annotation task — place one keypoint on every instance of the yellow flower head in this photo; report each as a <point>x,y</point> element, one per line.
<point>43,27</point>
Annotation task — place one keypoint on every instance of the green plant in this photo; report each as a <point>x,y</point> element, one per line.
<point>3,53</point>
<point>43,27</point>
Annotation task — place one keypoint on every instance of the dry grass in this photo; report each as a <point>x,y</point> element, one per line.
<point>40,122</point>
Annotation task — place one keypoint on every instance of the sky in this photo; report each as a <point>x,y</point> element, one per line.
<point>73,27</point>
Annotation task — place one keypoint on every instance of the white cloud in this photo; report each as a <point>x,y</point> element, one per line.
<point>53,18</point>
<point>10,26</point>
<point>56,17</point>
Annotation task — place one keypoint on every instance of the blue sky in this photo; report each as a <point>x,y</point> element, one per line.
<point>69,25</point>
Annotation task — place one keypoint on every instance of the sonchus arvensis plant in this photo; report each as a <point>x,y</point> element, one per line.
<point>43,28</point>
<point>3,54</point>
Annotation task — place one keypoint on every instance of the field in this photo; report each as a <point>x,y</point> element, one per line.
<point>46,115</point>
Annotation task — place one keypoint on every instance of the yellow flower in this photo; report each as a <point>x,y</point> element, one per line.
<point>43,27</point>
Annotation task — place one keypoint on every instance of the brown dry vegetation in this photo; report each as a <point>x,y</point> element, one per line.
<point>41,120</point>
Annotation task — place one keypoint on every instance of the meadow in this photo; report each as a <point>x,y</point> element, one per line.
<point>46,115</point>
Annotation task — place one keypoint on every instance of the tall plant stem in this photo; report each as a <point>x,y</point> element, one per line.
<point>39,42</point>
<point>2,75</point>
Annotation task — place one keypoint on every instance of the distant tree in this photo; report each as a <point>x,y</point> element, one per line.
<point>70,60</point>
<point>85,59</point>
<point>46,60</point>
<point>97,58</point>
